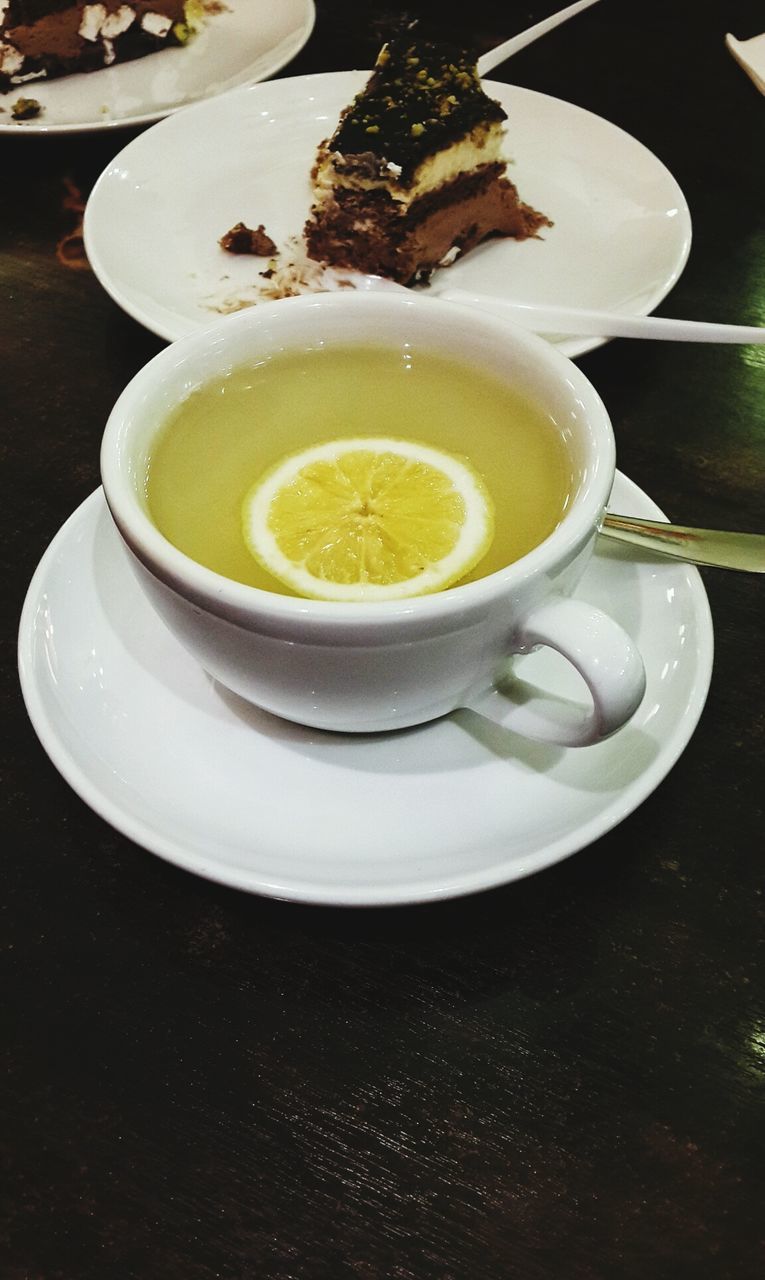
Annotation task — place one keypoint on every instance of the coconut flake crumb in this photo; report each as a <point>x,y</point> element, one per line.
<point>92,20</point>
<point>450,256</point>
<point>156,24</point>
<point>291,274</point>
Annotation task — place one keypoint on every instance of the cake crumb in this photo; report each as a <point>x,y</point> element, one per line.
<point>294,274</point>
<point>26,109</point>
<point>243,239</point>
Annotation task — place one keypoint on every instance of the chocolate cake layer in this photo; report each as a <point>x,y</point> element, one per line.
<point>370,232</point>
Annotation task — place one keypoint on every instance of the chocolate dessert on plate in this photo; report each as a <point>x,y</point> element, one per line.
<point>44,39</point>
<point>414,175</point>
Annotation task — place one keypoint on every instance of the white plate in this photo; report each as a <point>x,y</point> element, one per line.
<point>247,41</point>
<point>194,774</point>
<point>621,237</point>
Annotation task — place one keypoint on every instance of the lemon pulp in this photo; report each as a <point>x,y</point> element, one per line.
<point>368,519</point>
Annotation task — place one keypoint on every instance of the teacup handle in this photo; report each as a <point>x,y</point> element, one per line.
<point>604,656</point>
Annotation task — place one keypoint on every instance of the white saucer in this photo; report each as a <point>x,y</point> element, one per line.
<point>621,237</point>
<point>192,773</point>
<point>244,42</point>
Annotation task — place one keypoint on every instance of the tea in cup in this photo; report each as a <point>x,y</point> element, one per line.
<point>355,508</point>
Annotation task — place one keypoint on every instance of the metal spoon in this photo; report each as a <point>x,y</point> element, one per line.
<point>493,57</point>
<point>561,321</point>
<point>721,549</point>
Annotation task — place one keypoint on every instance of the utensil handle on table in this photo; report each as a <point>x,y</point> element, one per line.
<point>715,547</point>
<point>493,57</point>
<point>604,324</point>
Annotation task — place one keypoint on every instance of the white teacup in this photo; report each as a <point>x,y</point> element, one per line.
<point>365,667</point>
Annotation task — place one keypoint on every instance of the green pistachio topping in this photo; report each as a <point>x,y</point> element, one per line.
<point>420,97</point>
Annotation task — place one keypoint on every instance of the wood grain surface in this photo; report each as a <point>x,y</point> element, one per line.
<point>557,1080</point>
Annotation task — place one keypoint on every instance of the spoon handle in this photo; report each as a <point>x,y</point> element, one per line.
<point>604,324</point>
<point>723,550</point>
<point>493,57</point>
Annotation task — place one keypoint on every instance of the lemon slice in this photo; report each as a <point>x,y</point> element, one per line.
<point>368,519</point>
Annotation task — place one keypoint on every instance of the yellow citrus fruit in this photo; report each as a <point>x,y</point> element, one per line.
<point>368,519</point>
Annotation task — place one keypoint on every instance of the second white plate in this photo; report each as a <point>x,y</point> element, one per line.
<point>245,41</point>
<point>621,237</point>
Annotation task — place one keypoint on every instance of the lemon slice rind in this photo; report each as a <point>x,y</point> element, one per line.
<point>474,537</point>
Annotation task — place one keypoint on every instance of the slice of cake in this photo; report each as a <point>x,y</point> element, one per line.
<point>413,175</point>
<point>41,39</point>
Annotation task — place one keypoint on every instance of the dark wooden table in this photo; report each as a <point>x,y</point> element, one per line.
<point>560,1078</point>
